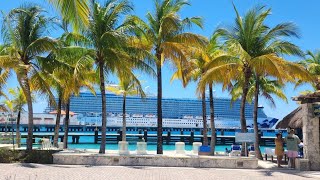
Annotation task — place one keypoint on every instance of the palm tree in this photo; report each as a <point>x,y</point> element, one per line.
<point>195,68</point>
<point>108,36</point>
<point>129,85</point>
<point>265,88</point>
<point>23,32</point>
<point>69,69</point>
<point>312,64</point>
<point>71,49</point>
<point>16,105</point>
<point>165,31</point>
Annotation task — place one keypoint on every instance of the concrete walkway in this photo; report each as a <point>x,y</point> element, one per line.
<point>59,172</point>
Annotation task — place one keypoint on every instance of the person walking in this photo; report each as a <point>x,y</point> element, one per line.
<point>292,142</point>
<point>279,148</point>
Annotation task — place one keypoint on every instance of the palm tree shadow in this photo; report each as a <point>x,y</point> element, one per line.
<point>29,165</point>
<point>289,172</point>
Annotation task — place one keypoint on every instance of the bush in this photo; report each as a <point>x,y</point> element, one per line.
<point>39,156</point>
<point>34,156</point>
<point>8,155</point>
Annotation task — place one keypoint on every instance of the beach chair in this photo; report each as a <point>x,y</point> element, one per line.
<point>235,150</point>
<point>269,153</point>
<point>46,144</point>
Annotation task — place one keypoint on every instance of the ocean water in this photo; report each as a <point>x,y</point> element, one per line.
<point>86,142</point>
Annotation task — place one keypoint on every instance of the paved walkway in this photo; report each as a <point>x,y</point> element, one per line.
<point>59,172</point>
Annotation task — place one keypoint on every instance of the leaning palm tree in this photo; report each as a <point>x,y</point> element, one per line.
<point>312,64</point>
<point>15,104</point>
<point>194,71</point>
<point>23,32</point>
<point>72,49</point>
<point>166,32</point>
<point>68,69</point>
<point>129,85</point>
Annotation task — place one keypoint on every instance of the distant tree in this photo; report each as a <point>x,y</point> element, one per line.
<point>128,85</point>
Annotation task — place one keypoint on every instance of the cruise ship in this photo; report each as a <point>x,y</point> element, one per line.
<point>177,112</point>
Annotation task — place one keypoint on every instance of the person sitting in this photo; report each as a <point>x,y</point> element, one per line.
<point>227,151</point>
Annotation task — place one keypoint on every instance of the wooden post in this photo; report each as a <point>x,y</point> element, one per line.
<point>96,136</point>
<point>119,137</point>
<point>140,132</point>
<point>77,139</point>
<point>202,136</point>
<point>145,135</point>
<point>191,140</point>
<point>168,136</point>
<point>73,139</point>
<point>181,137</point>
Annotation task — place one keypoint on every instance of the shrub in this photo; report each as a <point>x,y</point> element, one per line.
<point>39,156</point>
<point>8,155</point>
<point>34,156</point>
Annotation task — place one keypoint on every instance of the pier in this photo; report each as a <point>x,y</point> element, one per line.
<point>134,134</point>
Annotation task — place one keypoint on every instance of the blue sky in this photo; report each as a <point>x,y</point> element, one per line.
<point>304,14</point>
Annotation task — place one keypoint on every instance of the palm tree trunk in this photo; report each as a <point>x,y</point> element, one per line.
<point>104,110</point>
<point>159,105</point>
<point>245,88</point>
<point>27,93</point>
<point>124,124</point>
<point>57,127</point>
<point>255,120</point>
<point>204,118</point>
<point>18,136</point>
<point>66,125</point>
<point>212,125</point>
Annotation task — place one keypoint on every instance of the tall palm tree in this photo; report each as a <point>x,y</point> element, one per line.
<point>166,32</point>
<point>108,37</point>
<point>23,32</point>
<point>15,104</point>
<point>312,64</point>
<point>129,85</point>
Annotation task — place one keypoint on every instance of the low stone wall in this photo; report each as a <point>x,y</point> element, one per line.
<point>154,160</point>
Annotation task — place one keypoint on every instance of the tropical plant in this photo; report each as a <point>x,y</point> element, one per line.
<point>312,64</point>
<point>165,31</point>
<point>129,85</point>
<point>23,32</point>
<point>15,104</point>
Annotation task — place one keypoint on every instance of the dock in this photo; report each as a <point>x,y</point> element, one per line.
<point>114,135</point>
